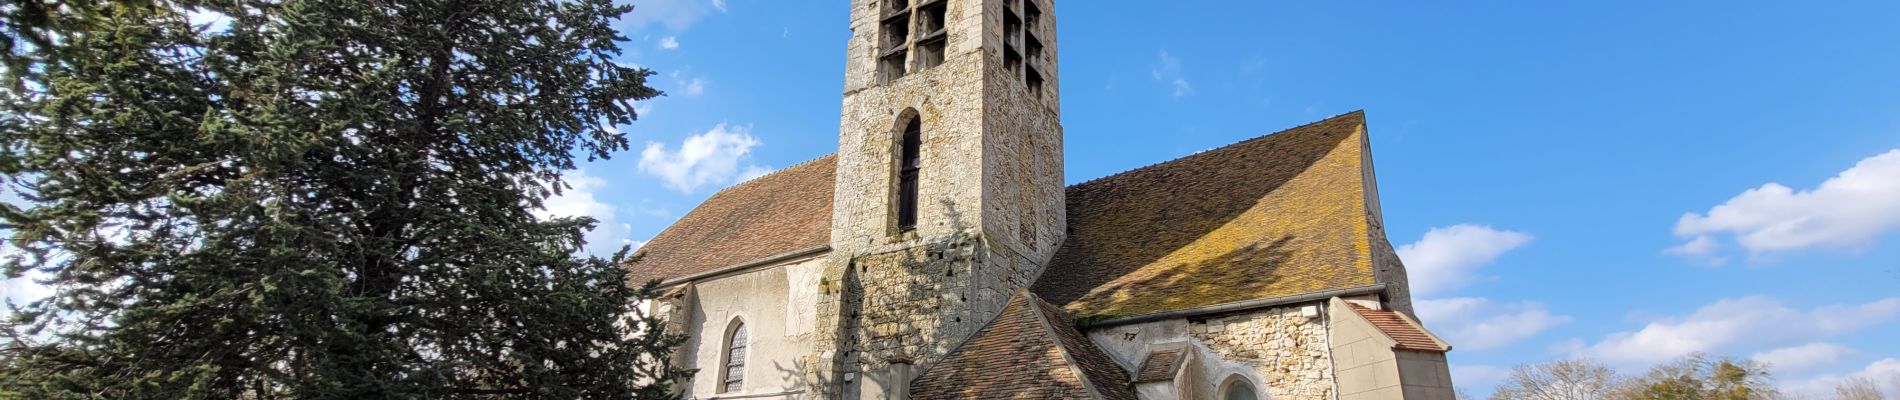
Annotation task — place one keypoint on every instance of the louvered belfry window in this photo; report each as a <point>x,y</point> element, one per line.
<point>735,359</point>
<point>908,27</point>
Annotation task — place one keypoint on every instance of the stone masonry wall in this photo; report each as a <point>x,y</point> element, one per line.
<point>949,180</point>
<point>1023,194</point>
<point>1288,352</point>
<point>911,301</point>
<point>990,196</point>
<point>1282,353</point>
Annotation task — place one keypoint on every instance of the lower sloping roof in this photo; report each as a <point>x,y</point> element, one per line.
<point>1409,336</point>
<point>1030,351</point>
<point>781,212</point>
<point>1160,366</point>
<point>1274,216</point>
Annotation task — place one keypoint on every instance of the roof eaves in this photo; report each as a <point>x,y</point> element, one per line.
<point>762,262</point>
<point>1243,305</point>
<point>1386,336</point>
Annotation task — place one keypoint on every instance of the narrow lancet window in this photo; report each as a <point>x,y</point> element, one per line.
<point>909,161</point>
<point>733,377</point>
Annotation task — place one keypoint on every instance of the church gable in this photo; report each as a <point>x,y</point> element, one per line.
<point>1279,215</point>
<point>1030,351</point>
<point>779,213</point>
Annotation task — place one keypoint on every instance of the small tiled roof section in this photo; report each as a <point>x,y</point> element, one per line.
<point>1408,336</point>
<point>782,212</point>
<point>1278,215</point>
<point>1030,351</point>
<point>1159,367</point>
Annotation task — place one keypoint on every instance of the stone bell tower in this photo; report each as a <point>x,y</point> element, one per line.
<point>949,193</point>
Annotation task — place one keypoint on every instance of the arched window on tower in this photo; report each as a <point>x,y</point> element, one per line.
<point>732,377</point>
<point>909,161</point>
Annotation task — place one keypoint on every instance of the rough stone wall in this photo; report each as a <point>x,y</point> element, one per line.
<point>1281,352</point>
<point>1023,189</point>
<point>1286,350</point>
<point>965,20</point>
<point>946,102</point>
<point>913,301</point>
<point>991,155</point>
<point>979,237</point>
<point>993,42</point>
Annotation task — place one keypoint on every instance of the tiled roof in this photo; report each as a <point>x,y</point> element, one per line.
<point>1159,367</point>
<point>1278,215</point>
<point>1030,351</point>
<point>1408,336</point>
<point>781,212</point>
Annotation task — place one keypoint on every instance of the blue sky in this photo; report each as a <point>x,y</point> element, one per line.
<point>1536,160</point>
<point>1552,172</point>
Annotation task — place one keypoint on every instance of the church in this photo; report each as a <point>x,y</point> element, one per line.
<point>938,254</point>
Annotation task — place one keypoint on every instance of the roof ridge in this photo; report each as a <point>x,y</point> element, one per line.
<point>1360,113</point>
<point>1055,338</point>
<point>721,191</point>
<point>768,174</point>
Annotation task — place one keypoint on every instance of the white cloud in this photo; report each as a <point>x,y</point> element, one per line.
<point>1168,71</point>
<point>709,158</point>
<point>1804,357</point>
<point>1447,258</point>
<point>1846,211</point>
<point>677,15</point>
<point>694,86</point>
<point>642,108</point>
<point>1730,324</point>
<point>1884,372</point>
<point>579,201</point>
<point>1702,250</point>
<point>1479,324</point>
<point>669,43</point>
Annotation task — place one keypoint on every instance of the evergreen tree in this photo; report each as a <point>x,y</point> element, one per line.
<point>314,200</point>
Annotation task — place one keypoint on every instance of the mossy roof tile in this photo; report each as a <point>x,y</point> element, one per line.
<point>1278,215</point>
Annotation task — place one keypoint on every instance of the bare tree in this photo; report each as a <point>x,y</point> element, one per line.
<point>1699,376</point>
<point>1858,388</point>
<point>1577,379</point>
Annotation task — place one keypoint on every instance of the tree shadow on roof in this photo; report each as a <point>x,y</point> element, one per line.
<point>1220,279</point>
